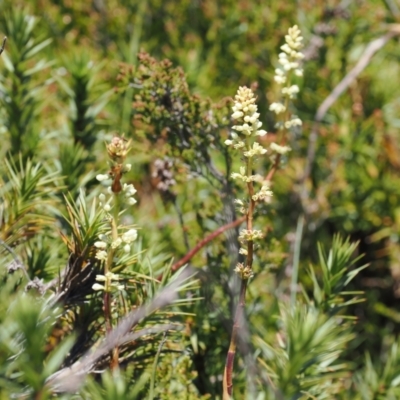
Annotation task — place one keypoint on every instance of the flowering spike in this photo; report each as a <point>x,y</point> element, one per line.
<point>246,117</point>
<point>245,131</point>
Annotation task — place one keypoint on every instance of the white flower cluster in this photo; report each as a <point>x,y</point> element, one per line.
<point>290,57</point>
<point>246,115</point>
<point>245,236</point>
<point>282,150</point>
<point>263,194</point>
<point>129,191</point>
<point>257,149</point>
<point>242,175</point>
<point>294,121</point>
<point>244,272</point>
<point>290,91</point>
<point>277,108</point>
<point>110,282</point>
<point>103,177</point>
<point>241,206</point>
<point>105,242</point>
<point>129,236</point>
<point>289,60</point>
<point>105,205</point>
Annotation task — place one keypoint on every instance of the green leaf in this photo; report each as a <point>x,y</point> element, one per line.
<point>57,357</point>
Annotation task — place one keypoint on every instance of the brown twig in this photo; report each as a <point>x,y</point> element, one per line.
<point>187,257</point>
<point>363,62</point>
<point>71,378</point>
<point>370,50</point>
<point>274,168</point>
<point>184,260</point>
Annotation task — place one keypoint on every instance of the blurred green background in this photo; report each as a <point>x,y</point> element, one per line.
<point>60,102</point>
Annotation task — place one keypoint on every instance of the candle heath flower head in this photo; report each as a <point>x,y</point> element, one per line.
<point>246,116</point>
<point>289,64</point>
<point>290,56</point>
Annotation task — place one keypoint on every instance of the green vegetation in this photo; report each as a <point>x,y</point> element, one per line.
<point>151,249</point>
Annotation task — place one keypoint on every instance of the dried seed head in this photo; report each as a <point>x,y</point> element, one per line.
<point>118,149</point>
<point>163,175</point>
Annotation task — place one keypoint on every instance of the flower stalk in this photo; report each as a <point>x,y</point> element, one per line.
<point>244,139</point>
<point>109,245</point>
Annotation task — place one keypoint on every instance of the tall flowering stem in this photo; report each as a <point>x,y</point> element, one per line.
<point>289,66</point>
<point>118,239</point>
<point>244,139</point>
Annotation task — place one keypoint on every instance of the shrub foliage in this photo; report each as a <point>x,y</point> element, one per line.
<point>125,269</point>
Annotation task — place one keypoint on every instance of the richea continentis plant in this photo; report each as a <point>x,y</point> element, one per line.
<point>246,131</point>
<point>110,243</point>
<point>303,360</point>
<point>93,306</point>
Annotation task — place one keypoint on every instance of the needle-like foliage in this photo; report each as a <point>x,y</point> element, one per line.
<point>21,89</point>
<point>27,197</point>
<point>159,233</point>
<point>337,273</point>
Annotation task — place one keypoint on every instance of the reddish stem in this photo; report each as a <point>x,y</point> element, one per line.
<point>237,324</point>
<point>186,258</point>
<point>107,312</point>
